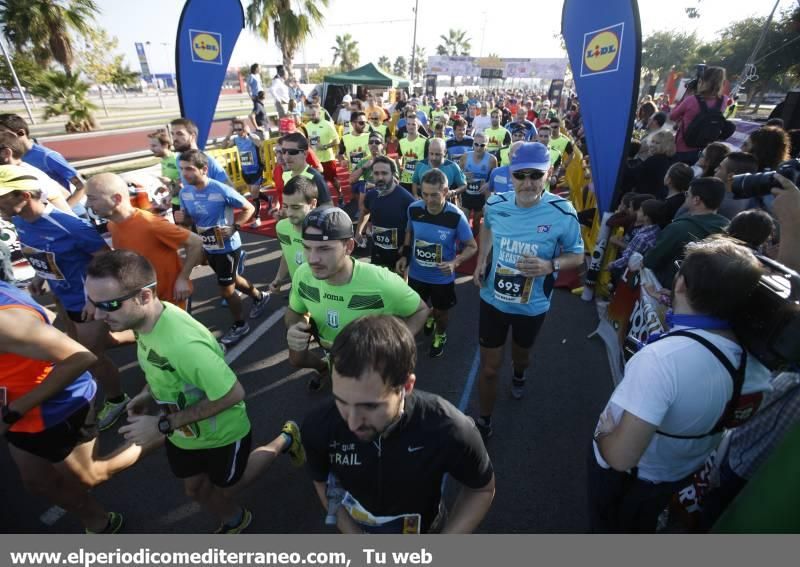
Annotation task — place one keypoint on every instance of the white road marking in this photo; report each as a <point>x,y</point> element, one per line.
<point>253,336</point>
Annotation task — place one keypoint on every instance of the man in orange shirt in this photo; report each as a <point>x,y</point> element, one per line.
<point>152,236</point>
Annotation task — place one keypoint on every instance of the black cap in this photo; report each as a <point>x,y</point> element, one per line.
<point>334,223</point>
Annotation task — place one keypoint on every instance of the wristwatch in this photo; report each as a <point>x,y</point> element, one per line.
<point>556,264</point>
<point>9,416</point>
<point>164,426</point>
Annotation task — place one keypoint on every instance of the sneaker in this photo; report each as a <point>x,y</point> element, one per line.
<point>484,428</point>
<point>235,334</point>
<point>115,523</point>
<point>259,306</point>
<point>110,413</point>
<point>256,223</point>
<point>296,451</point>
<point>437,346</point>
<point>247,517</point>
<point>517,387</point>
<point>428,328</point>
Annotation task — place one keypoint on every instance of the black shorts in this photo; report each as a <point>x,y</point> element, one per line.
<point>493,327</point>
<point>224,465</point>
<point>253,178</point>
<point>472,202</point>
<point>383,257</point>
<point>441,296</point>
<point>226,266</point>
<point>76,316</point>
<point>55,443</point>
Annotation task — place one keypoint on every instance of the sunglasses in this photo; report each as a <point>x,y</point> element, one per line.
<point>478,145</point>
<point>290,151</point>
<point>533,174</point>
<point>375,142</point>
<point>360,122</point>
<point>115,304</point>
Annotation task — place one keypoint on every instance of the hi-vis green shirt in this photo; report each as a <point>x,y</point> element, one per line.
<point>291,241</point>
<point>355,148</point>
<point>372,290</point>
<point>410,154</point>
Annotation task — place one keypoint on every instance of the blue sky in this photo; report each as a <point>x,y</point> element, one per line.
<point>384,27</point>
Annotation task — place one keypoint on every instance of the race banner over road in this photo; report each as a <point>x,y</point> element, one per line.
<point>604,44</point>
<point>207,32</point>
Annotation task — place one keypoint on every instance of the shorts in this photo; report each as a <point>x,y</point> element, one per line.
<point>329,170</point>
<point>226,266</point>
<point>493,327</point>
<point>358,187</point>
<point>473,202</point>
<point>441,296</point>
<point>76,316</point>
<point>224,465</point>
<point>383,257</point>
<point>253,178</point>
<point>55,443</point>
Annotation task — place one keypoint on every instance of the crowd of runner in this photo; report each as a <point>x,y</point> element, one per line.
<point>435,183</point>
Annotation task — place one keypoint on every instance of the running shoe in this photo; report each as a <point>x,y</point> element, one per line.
<point>235,334</point>
<point>110,413</point>
<point>259,306</point>
<point>429,325</point>
<point>115,523</point>
<point>247,518</point>
<point>437,346</point>
<point>256,223</point>
<point>517,387</point>
<point>296,452</point>
<point>484,428</point>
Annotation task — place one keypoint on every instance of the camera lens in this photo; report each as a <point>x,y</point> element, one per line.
<point>748,185</point>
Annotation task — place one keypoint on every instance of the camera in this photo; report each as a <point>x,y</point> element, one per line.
<point>749,185</point>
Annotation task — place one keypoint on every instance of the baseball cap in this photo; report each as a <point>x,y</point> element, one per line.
<point>16,178</point>
<point>478,105</point>
<point>334,223</point>
<point>532,155</point>
<point>347,98</point>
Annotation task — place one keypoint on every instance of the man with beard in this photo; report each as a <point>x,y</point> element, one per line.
<point>379,450</point>
<point>322,137</point>
<point>460,142</point>
<point>184,138</point>
<point>412,149</point>
<point>331,289</point>
<point>386,208</point>
<point>496,136</point>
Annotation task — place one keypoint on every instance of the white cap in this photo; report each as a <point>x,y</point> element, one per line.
<point>347,98</point>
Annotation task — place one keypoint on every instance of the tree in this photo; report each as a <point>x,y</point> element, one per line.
<point>28,70</point>
<point>664,50</point>
<point>66,95</point>
<point>420,61</point>
<point>290,28</point>
<point>346,51</point>
<point>95,57</point>
<point>385,63</point>
<point>43,27</point>
<point>400,66</point>
<point>455,43</point>
<point>122,76</point>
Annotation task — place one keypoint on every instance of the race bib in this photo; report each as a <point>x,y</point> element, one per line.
<point>43,262</point>
<point>402,524</point>
<point>427,254</point>
<point>212,237</point>
<point>511,286</point>
<point>474,187</point>
<point>314,141</point>
<point>247,159</point>
<point>356,157</point>
<point>385,238</point>
<point>191,431</point>
<point>410,165</point>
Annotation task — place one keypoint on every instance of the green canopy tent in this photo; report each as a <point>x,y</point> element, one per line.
<point>368,75</point>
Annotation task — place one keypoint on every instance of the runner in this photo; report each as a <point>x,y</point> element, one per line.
<point>500,180</point>
<point>403,440</point>
<point>202,415</point>
<point>46,394</point>
<point>322,137</point>
<point>295,152</point>
<point>496,135</point>
<point>436,151</point>
<point>460,142</point>
<point>387,209</point>
<point>300,198</point>
<point>412,149</point>
<point>170,174</point>
<point>184,138</point>
<point>477,166</point>
<point>437,228</point>
<point>332,289</point>
<point>353,147</point>
<point>482,121</point>
<point>152,236</point>
<point>361,176</point>
<point>376,116</point>
<point>517,135</point>
<point>521,121</point>
<point>59,246</point>
<point>516,287</point>
<point>249,148</point>
<point>209,205</point>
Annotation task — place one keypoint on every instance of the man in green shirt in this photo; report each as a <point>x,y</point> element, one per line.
<point>322,137</point>
<point>202,416</point>
<point>170,175</point>
<point>332,289</point>
<point>299,198</point>
<point>361,176</point>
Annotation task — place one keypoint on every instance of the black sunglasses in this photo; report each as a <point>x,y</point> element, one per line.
<point>290,151</point>
<point>115,304</point>
<point>532,174</point>
<point>360,122</point>
<point>375,142</point>
<point>479,145</point>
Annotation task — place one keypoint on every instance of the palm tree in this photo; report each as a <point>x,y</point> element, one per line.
<point>400,66</point>
<point>346,51</point>
<point>44,26</point>
<point>385,63</point>
<point>66,95</point>
<point>123,77</point>
<point>420,62</point>
<point>290,28</point>
<point>455,43</point>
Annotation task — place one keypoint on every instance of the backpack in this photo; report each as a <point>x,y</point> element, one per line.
<point>708,126</point>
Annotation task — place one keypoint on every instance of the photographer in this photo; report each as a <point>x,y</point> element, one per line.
<point>666,416</point>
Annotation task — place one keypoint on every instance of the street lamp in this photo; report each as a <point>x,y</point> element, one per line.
<point>158,88</point>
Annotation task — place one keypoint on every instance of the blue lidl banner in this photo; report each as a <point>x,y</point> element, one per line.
<point>604,43</point>
<point>207,32</point>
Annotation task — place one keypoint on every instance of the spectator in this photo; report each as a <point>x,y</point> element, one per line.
<point>648,176</point>
<point>794,139</point>
<point>752,227</point>
<point>655,124</point>
<point>703,198</point>
<point>770,145</point>
<point>710,158</point>
<point>254,85</point>
<point>644,234</point>
<point>735,163</point>
<point>677,181</point>
<point>279,91</point>
<point>709,88</point>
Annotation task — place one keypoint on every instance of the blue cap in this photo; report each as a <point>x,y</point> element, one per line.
<point>531,155</point>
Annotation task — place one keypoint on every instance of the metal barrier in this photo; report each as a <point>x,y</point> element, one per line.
<point>230,160</point>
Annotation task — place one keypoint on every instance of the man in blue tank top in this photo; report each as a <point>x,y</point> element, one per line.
<point>249,148</point>
<point>477,165</point>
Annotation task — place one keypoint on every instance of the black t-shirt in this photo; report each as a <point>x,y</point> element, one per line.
<point>462,107</point>
<point>402,472</point>
<point>389,217</point>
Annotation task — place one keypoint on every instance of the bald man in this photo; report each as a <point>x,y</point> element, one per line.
<point>436,160</point>
<point>152,236</point>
